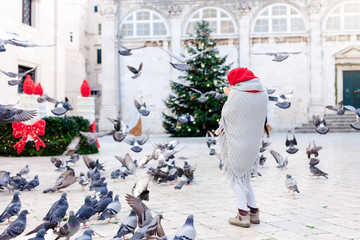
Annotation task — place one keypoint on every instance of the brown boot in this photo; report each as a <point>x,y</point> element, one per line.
<point>240,221</point>
<point>254,217</point>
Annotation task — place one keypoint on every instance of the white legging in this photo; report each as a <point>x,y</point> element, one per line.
<point>243,199</point>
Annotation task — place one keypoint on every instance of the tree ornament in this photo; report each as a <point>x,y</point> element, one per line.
<point>201,45</point>
<point>208,85</point>
<point>189,130</point>
<point>85,89</point>
<point>29,85</point>
<point>215,82</point>
<point>218,61</point>
<point>202,65</point>
<point>190,77</point>
<point>178,109</point>
<point>214,70</point>
<point>210,110</point>
<point>38,90</point>
<point>204,33</point>
<point>206,79</point>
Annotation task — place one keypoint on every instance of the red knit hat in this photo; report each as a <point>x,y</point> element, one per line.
<point>240,75</point>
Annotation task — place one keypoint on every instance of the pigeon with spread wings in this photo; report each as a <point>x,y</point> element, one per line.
<point>354,125</point>
<point>203,98</point>
<point>128,166</point>
<point>279,159</point>
<point>92,136</point>
<point>291,143</point>
<point>61,107</point>
<point>320,124</point>
<point>281,100</point>
<point>8,114</point>
<point>141,106</point>
<point>64,180</point>
<point>339,108</point>
<point>17,76</point>
<point>313,150</point>
<point>127,51</point>
<point>135,71</point>
<point>136,141</point>
<point>278,56</point>
<point>121,130</point>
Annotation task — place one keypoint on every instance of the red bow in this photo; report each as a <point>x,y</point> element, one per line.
<point>23,130</point>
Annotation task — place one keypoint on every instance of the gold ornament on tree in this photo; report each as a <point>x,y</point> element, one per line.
<point>201,45</point>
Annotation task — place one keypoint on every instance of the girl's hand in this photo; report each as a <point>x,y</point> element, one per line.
<point>226,91</point>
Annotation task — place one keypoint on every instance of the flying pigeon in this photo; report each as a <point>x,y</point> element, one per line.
<point>91,164</point>
<point>127,51</point>
<point>92,136</point>
<point>135,71</point>
<point>135,141</point>
<point>58,163</point>
<point>354,125</point>
<point>211,142</point>
<point>121,130</point>
<point>281,100</point>
<point>85,212</point>
<point>31,185</point>
<point>111,210</point>
<point>64,180</point>
<point>148,225</point>
<point>12,209</point>
<point>15,228</point>
<point>264,145</point>
<point>87,235</point>
<point>291,143</point>
<point>278,56</point>
<point>291,184</point>
<point>10,115</point>
<point>320,125</point>
<point>188,175</point>
<point>128,225</point>
<point>73,158</point>
<point>339,109</point>
<point>128,166</point>
<point>46,226</point>
<point>140,190</point>
<point>314,150</point>
<point>203,98</point>
<point>185,118</point>
<point>14,39</point>
<point>262,160</point>
<point>72,147</point>
<point>217,95</point>
<point>57,209</point>
<point>69,228</point>
<point>61,107</point>
<point>141,106</point>
<point>279,159</point>
<point>17,76</point>
<point>187,231</point>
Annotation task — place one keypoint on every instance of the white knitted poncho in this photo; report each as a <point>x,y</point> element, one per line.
<point>241,128</point>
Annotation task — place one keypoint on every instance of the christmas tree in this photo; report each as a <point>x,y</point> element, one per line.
<point>207,75</point>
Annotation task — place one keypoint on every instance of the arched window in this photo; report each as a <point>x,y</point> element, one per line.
<point>219,21</point>
<point>344,17</point>
<point>143,23</point>
<point>279,19</point>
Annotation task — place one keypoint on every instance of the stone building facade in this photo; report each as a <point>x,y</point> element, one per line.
<point>325,32</point>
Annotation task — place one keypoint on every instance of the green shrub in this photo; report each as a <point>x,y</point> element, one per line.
<point>59,132</point>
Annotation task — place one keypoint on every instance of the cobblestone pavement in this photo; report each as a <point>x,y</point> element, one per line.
<point>324,209</point>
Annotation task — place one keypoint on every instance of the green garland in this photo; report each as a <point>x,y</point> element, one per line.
<point>59,132</point>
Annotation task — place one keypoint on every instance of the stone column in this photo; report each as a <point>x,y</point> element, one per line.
<point>243,14</point>
<point>316,107</point>
<point>109,91</point>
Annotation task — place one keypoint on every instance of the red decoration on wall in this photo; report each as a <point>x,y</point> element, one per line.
<point>38,90</point>
<point>28,85</point>
<point>23,130</point>
<point>85,89</point>
<point>92,128</point>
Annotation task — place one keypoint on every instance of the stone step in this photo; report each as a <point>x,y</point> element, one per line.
<point>330,131</point>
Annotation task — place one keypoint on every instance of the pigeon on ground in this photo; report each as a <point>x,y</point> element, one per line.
<point>320,124</point>
<point>10,115</point>
<point>111,210</point>
<point>93,175</point>
<point>281,100</point>
<point>61,203</point>
<point>87,235</point>
<point>96,184</point>
<point>91,164</point>
<point>262,160</point>
<point>211,142</point>
<point>4,179</point>
<point>58,163</point>
<point>314,150</point>
<point>187,177</point>
<point>187,231</point>
<point>64,180</point>
<point>339,109</point>
<point>221,164</point>
<point>182,66</point>
<point>15,228</point>
<point>264,145</point>
<point>61,107</point>
<point>69,228</point>
<point>141,106</point>
<point>279,159</point>
<point>354,125</point>
<point>101,191</point>
<point>103,203</point>
<point>128,225</point>
<point>135,71</point>
<point>185,118</point>
<point>85,212</point>
<point>140,190</point>
<point>278,56</point>
<point>291,184</point>
<point>203,98</point>
<point>73,158</point>
<point>46,226</point>
<point>314,170</point>
<point>25,170</point>
<point>128,166</point>
<point>16,182</point>
<point>40,235</point>
<point>148,225</point>
<point>115,174</point>
<point>17,76</point>
<point>12,209</point>
<point>127,51</point>
<point>121,129</point>
<point>92,136</point>
<point>83,180</point>
<point>136,141</point>
<point>31,185</point>
<point>291,143</point>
